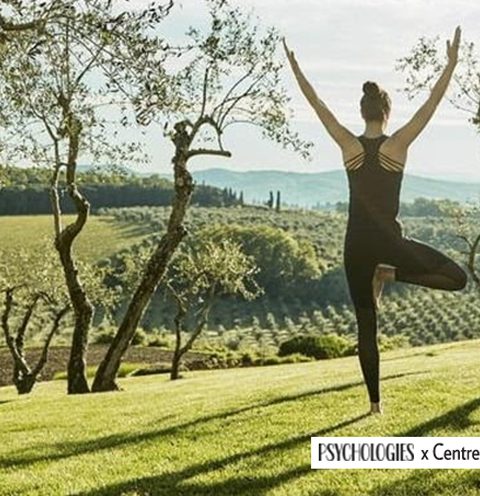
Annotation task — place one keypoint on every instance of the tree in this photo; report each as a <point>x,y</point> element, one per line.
<point>270,199</point>
<point>421,67</point>
<point>10,27</point>
<point>230,76</point>
<point>284,263</point>
<point>277,203</point>
<point>23,293</point>
<point>36,299</point>
<point>55,87</point>
<point>424,63</point>
<point>199,274</point>
<point>467,231</point>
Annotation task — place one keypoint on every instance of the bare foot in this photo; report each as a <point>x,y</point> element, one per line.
<point>382,273</point>
<point>376,408</point>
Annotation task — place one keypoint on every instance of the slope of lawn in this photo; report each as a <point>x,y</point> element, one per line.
<point>102,236</point>
<point>240,431</point>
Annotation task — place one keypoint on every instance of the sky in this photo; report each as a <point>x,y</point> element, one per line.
<point>339,44</point>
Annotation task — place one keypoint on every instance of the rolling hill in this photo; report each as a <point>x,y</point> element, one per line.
<point>312,189</point>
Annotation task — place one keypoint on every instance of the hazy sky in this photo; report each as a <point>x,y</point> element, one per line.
<point>340,44</point>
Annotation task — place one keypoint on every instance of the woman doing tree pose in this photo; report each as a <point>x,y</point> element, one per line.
<point>375,248</point>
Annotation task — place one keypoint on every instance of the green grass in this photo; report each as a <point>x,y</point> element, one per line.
<point>240,431</point>
<point>102,236</point>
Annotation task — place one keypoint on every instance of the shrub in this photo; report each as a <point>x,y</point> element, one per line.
<point>386,343</point>
<point>272,360</point>
<point>140,338</point>
<point>159,342</point>
<point>247,358</point>
<point>104,336</point>
<point>317,346</point>
<point>296,358</point>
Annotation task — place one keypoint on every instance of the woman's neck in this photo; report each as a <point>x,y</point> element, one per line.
<point>373,129</point>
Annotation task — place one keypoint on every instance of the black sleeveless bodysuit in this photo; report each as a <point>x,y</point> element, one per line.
<point>374,191</point>
<point>374,236</point>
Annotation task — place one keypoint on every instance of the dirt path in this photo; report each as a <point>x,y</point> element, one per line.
<point>58,358</point>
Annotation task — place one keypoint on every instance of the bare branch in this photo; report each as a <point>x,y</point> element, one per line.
<point>18,359</point>
<point>204,97</point>
<point>55,326</point>
<point>232,89</point>
<point>22,328</point>
<point>236,99</point>
<point>206,151</point>
<point>22,26</point>
<point>203,320</point>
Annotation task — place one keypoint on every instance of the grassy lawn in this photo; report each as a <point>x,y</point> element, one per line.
<point>102,235</point>
<point>240,431</point>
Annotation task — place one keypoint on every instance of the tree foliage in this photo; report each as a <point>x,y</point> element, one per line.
<point>201,271</point>
<point>424,63</point>
<point>285,262</point>
<point>34,299</point>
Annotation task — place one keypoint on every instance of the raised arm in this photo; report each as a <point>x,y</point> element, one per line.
<point>406,134</point>
<point>336,130</point>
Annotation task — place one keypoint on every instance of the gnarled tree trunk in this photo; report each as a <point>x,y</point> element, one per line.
<point>156,266</point>
<point>64,239</point>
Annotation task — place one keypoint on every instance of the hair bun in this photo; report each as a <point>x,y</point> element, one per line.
<point>371,89</point>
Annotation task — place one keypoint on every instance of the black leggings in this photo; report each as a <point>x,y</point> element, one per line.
<point>415,263</point>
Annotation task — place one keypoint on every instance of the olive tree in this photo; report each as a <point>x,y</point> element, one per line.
<point>35,301</point>
<point>23,293</point>
<point>59,103</point>
<point>425,62</point>
<point>199,274</point>
<point>467,231</point>
<point>421,68</point>
<point>230,75</point>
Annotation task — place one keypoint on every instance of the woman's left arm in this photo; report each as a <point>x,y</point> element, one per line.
<point>337,131</point>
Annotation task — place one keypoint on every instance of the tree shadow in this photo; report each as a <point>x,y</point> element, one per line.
<point>426,483</point>
<point>390,359</point>
<point>128,229</point>
<point>175,482</point>
<point>420,353</point>
<point>457,418</point>
<point>66,450</point>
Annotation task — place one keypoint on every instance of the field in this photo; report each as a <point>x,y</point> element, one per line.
<point>102,236</point>
<point>239,431</point>
<point>421,315</point>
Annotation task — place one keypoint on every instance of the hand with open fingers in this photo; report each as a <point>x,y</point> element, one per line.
<point>452,48</point>
<point>290,54</point>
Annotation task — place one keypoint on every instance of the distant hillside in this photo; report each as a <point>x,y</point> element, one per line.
<point>310,189</point>
<point>24,190</point>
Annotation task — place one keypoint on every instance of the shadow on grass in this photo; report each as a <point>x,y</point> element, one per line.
<point>428,483</point>
<point>421,353</point>
<point>127,229</point>
<point>177,482</point>
<point>66,450</point>
<point>458,418</point>
<point>424,482</point>
<point>404,357</point>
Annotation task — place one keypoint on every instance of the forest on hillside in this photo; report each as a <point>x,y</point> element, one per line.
<point>25,191</point>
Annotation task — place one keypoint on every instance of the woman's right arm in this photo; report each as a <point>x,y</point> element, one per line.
<point>405,135</point>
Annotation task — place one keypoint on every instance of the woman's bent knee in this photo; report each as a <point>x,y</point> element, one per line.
<point>457,276</point>
<point>461,279</point>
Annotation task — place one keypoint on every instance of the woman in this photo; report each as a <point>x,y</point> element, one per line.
<point>375,248</point>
